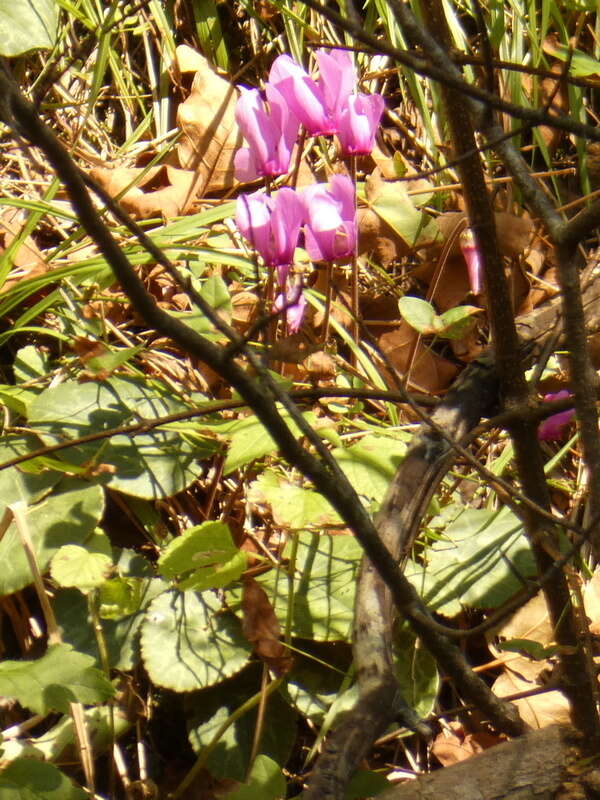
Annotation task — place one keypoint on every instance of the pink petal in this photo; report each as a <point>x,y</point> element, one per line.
<point>337,77</point>
<point>552,428</point>
<point>358,122</point>
<point>305,99</point>
<point>472,256</point>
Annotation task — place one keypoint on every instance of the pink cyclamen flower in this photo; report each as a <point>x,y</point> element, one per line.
<point>304,96</point>
<point>271,134</point>
<point>552,428</point>
<point>358,121</point>
<point>472,256</point>
<point>337,78</point>
<point>294,304</point>
<point>272,225</point>
<point>330,232</point>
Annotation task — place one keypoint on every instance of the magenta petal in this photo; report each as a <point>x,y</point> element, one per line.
<point>358,122</point>
<point>330,231</point>
<point>337,77</point>
<point>294,304</point>
<point>245,166</point>
<point>472,256</point>
<point>304,98</point>
<point>271,224</point>
<point>552,428</point>
<point>270,135</point>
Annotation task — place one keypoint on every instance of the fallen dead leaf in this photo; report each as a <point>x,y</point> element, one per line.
<point>210,135</point>
<point>162,191</point>
<point>27,260</point>
<point>455,744</point>
<point>430,372</point>
<point>261,627</point>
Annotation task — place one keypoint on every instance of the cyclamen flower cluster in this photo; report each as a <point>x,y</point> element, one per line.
<point>331,105</point>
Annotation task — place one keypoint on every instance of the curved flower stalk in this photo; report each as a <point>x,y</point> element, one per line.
<point>272,225</point>
<point>271,134</point>
<point>330,232</point>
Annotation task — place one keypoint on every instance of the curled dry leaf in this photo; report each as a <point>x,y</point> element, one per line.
<point>261,627</point>
<point>210,135</point>
<point>162,191</point>
<point>27,260</point>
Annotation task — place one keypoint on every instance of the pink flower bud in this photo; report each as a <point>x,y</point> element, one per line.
<point>472,256</point>
<point>552,428</point>
<point>358,121</point>
<point>330,232</point>
<point>271,134</point>
<point>271,224</point>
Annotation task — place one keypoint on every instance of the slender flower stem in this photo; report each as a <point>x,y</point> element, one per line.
<point>355,326</point>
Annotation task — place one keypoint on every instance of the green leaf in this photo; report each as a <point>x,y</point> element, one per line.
<point>265,781</point>
<point>215,292</point>
<point>28,779</point>
<point>74,565</point>
<point>316,676</point>
<point>417,672</point>
<point>18,484</point>
<point>582,65</point>
<point>371,463</point>
<point>231,756</point>
<point>189,642</point>
<point>366,784</point>
<point>61,676</point>
<point>203,557</point>
<point>30,362</point>
<point>110,361</point>
<point>324,584</point>
<point>27,25</point>
<point>395,207</point>
<point>529,647</point>
<point>120,630</point>
<point>480,562</point>
<point>68,517</point>
<point>59,742</point>
<point>292,506</point>
<point>457,322</point>
<point>153,465</point>
<point>419,314</point>
<point>250,440</point>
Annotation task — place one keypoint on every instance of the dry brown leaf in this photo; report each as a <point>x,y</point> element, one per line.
<point>377,237</point>
<point>244,308</point>
<point>27,261</point>
<point>162,191</point>
<point>454,745</point>
<point>430,372</point>
<point>514,233</point>
<point>261,627</point>
<point>539,710</point>
<point>188,60</point>
<point>210,135</point>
